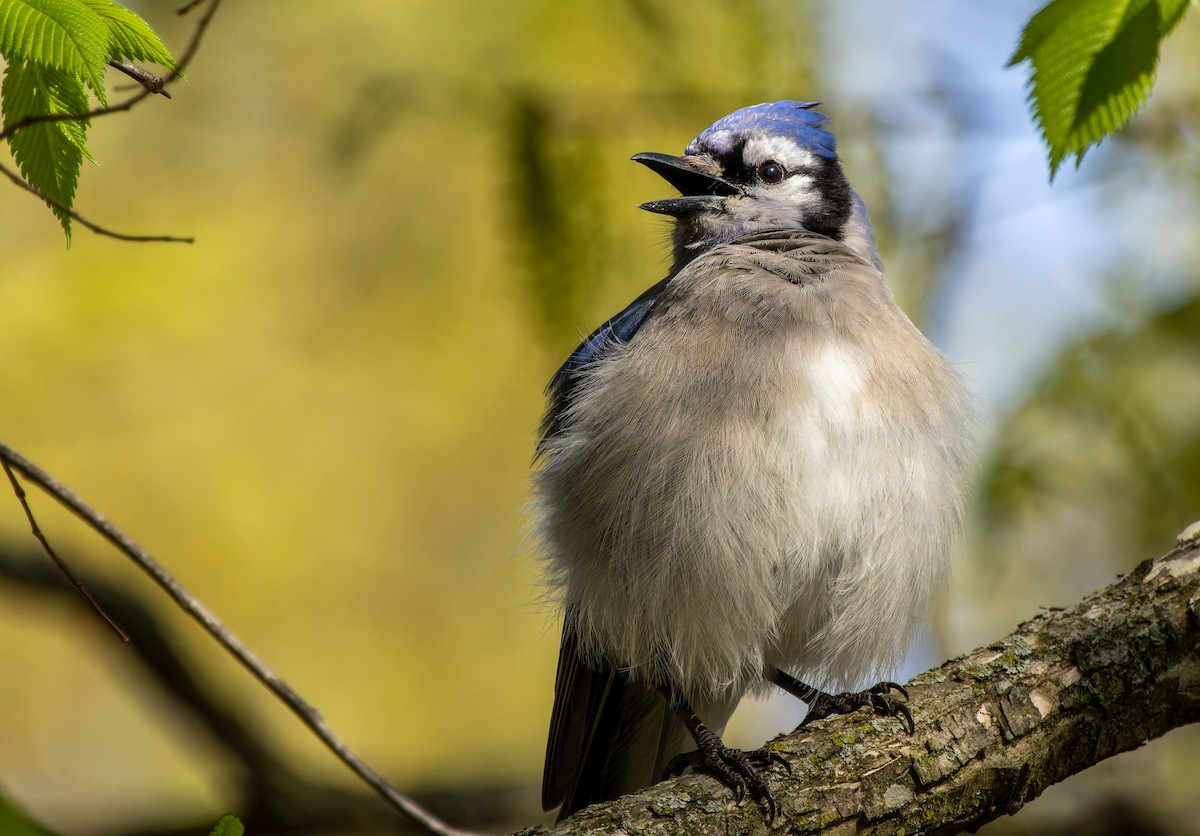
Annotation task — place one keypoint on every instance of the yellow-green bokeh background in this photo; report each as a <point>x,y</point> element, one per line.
<point>320,416</point>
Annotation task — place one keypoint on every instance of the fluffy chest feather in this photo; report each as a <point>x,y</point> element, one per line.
<point>744,483</point>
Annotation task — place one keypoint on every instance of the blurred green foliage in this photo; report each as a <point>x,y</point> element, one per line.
<point>1104,455</point>
<point>321,415</point>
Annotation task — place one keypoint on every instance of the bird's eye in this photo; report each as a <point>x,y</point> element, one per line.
<point>770,172</point>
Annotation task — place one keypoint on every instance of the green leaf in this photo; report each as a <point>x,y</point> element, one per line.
<point>130,36</point>
<point>53,49</point>
<point>228,826</point>
<point>14,823</point>
<point>1093,67</point>
<point>48,154</point>
<point>63,35</point>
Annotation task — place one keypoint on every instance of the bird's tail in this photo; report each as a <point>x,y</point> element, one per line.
<point>610,736</point>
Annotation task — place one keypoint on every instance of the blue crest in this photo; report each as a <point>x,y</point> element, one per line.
<point>795,120</point>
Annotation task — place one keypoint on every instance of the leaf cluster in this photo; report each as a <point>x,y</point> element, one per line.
<point>56,52</point>
<point>1093,65</point>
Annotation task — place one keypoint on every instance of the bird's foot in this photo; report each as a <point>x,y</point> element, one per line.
<point>875,698</point>
<point>736,769</point>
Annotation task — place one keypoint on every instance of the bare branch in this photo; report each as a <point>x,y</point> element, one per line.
<point>271,796</point>
<point>212,625</point>
<point>197,35</point>
<point>995,727</point>
<point>182,10</point>
<point>38,118</point>
<point>142,76</point>
<point>58,561</point>
<point>94,227</point>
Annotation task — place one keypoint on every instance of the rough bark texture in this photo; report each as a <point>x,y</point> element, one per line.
<point>995,727</point>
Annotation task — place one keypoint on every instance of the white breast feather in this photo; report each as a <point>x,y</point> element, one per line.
<point>776,514</point>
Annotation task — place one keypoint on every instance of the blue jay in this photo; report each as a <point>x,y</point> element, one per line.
<point>750,475</point>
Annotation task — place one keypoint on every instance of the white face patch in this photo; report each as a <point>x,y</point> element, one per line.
<point>798,189</point>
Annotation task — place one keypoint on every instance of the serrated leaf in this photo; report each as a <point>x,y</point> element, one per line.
<point>62,35</point>
<point>48,154</point>
<point>228,826</point>
<point>1093,67</point>
<point>130,36</point>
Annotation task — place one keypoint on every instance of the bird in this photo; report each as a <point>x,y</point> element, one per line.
<point>749,478</point>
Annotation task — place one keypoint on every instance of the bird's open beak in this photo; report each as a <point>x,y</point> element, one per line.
<point>699,190</point>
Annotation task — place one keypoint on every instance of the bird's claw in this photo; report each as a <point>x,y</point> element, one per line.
<point>764,758</point>
<point>875,698</point>
<point>736,769</point>
<point>885,707</point>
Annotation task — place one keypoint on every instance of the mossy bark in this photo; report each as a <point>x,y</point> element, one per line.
<point>995,727</point>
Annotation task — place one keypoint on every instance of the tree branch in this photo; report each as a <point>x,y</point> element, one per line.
<point>59,563</point>
<point>268,795</point>
<point>94,227</point>
<point>148,80</point>
<point>995,727</point>
<point>224,637</point>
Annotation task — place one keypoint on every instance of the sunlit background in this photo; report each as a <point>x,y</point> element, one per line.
<point>320,416</point>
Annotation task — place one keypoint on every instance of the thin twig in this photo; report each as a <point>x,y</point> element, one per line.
<point>197,34</point>
<point>182,10</point>
<point>274,798</point>
<point>94,227</point>
<point>58,561</point>
<point>38,118</point>
<point>192,606</point>
<point>144,77</point>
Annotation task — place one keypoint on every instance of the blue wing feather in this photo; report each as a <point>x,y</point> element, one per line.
<point>616,331</point>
